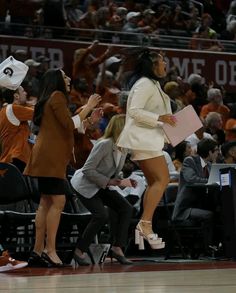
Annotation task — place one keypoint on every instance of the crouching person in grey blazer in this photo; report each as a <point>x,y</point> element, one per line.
<point>94,184</point>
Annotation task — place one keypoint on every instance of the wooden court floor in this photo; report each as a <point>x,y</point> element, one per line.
<point>143,276</point>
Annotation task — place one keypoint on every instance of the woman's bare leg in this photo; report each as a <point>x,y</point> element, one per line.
<point>40,223</point>
<point>53,220</point>
<point>157,175</point>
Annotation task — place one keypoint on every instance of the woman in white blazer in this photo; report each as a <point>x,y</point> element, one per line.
<point>148,108</point>
<point>92,184</point>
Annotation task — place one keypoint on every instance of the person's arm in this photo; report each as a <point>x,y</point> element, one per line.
<point>91,104</point>
<point>23,113</point>
<point>143,90</point>
<point>189,171</point>
<point>58,103</point>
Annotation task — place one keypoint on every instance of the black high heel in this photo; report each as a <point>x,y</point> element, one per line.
<point>35,260</point>
<point>46,258</point>
<point>120,258</point>
<point>81,261</point>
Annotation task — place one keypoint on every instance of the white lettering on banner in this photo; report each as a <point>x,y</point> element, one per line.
<point>196,64</point>
<point>14,48</point>
<point>232,73</point>
<point>220,72</point>
<point>55,55</point>
<point>36,51</point>
<point>183,68</point>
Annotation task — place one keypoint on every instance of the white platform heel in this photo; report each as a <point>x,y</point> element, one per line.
<point>154,241</point>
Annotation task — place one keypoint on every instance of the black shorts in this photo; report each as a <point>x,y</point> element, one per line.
<point>51,186</point>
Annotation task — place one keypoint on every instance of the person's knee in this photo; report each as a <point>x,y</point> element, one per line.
<point>59,203</point>
<point>128,209</point>
<point>101,217</point>
<point>208,216</point>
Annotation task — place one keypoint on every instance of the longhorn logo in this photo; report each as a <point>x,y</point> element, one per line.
<point>8,71</point>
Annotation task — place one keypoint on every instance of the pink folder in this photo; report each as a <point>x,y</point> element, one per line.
<point>187,122</point>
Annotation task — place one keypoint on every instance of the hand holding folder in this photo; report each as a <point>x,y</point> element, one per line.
<point>187,122</point>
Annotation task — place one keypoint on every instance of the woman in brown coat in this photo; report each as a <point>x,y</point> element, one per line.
<point>50,157</point>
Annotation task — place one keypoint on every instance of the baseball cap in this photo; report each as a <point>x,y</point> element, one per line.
<point>43,58</point>
<point>148,11</point>
<point>31,62</point>
<point>111,60</point>
<point>132,14</point>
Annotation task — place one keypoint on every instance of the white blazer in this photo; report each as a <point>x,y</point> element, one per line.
<point>143,131</point>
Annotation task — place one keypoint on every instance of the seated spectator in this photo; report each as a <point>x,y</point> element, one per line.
<point>181,151</point>
<point>173,90</point>
<point>230,126</point>
<point>173,173</point>
<point>190,205</point>
<point>214,126</point>
<point>134,195</point>
<point>228,151</point>
<point>195,93</point>
<point>214,96</point>
<point>92,182</point>
<point>198,135</point>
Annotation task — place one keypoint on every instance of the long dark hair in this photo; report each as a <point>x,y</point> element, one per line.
<point>51,81</point>
<point>143,66</point>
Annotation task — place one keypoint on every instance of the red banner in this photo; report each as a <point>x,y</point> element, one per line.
<point>213,66</point>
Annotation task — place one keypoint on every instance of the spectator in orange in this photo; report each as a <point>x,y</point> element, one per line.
<point>14,128</point>
<point>230,126</point>
<point>85,65</point>
<point>215,104</point>
<point>78,94</point>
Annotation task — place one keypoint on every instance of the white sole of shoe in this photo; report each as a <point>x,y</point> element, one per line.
<point>10,267</point>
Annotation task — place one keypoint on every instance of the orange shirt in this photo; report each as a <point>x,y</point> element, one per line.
<point>230,129</point>
<point>13,137</point>
<point>221,109</point>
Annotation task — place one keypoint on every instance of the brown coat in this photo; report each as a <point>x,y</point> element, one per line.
<point>54,144</point>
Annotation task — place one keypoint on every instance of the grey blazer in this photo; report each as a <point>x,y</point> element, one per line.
<point>191,172</point>
<point>104,162</point>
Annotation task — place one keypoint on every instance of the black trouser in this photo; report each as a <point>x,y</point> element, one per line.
<point>120,216</point>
